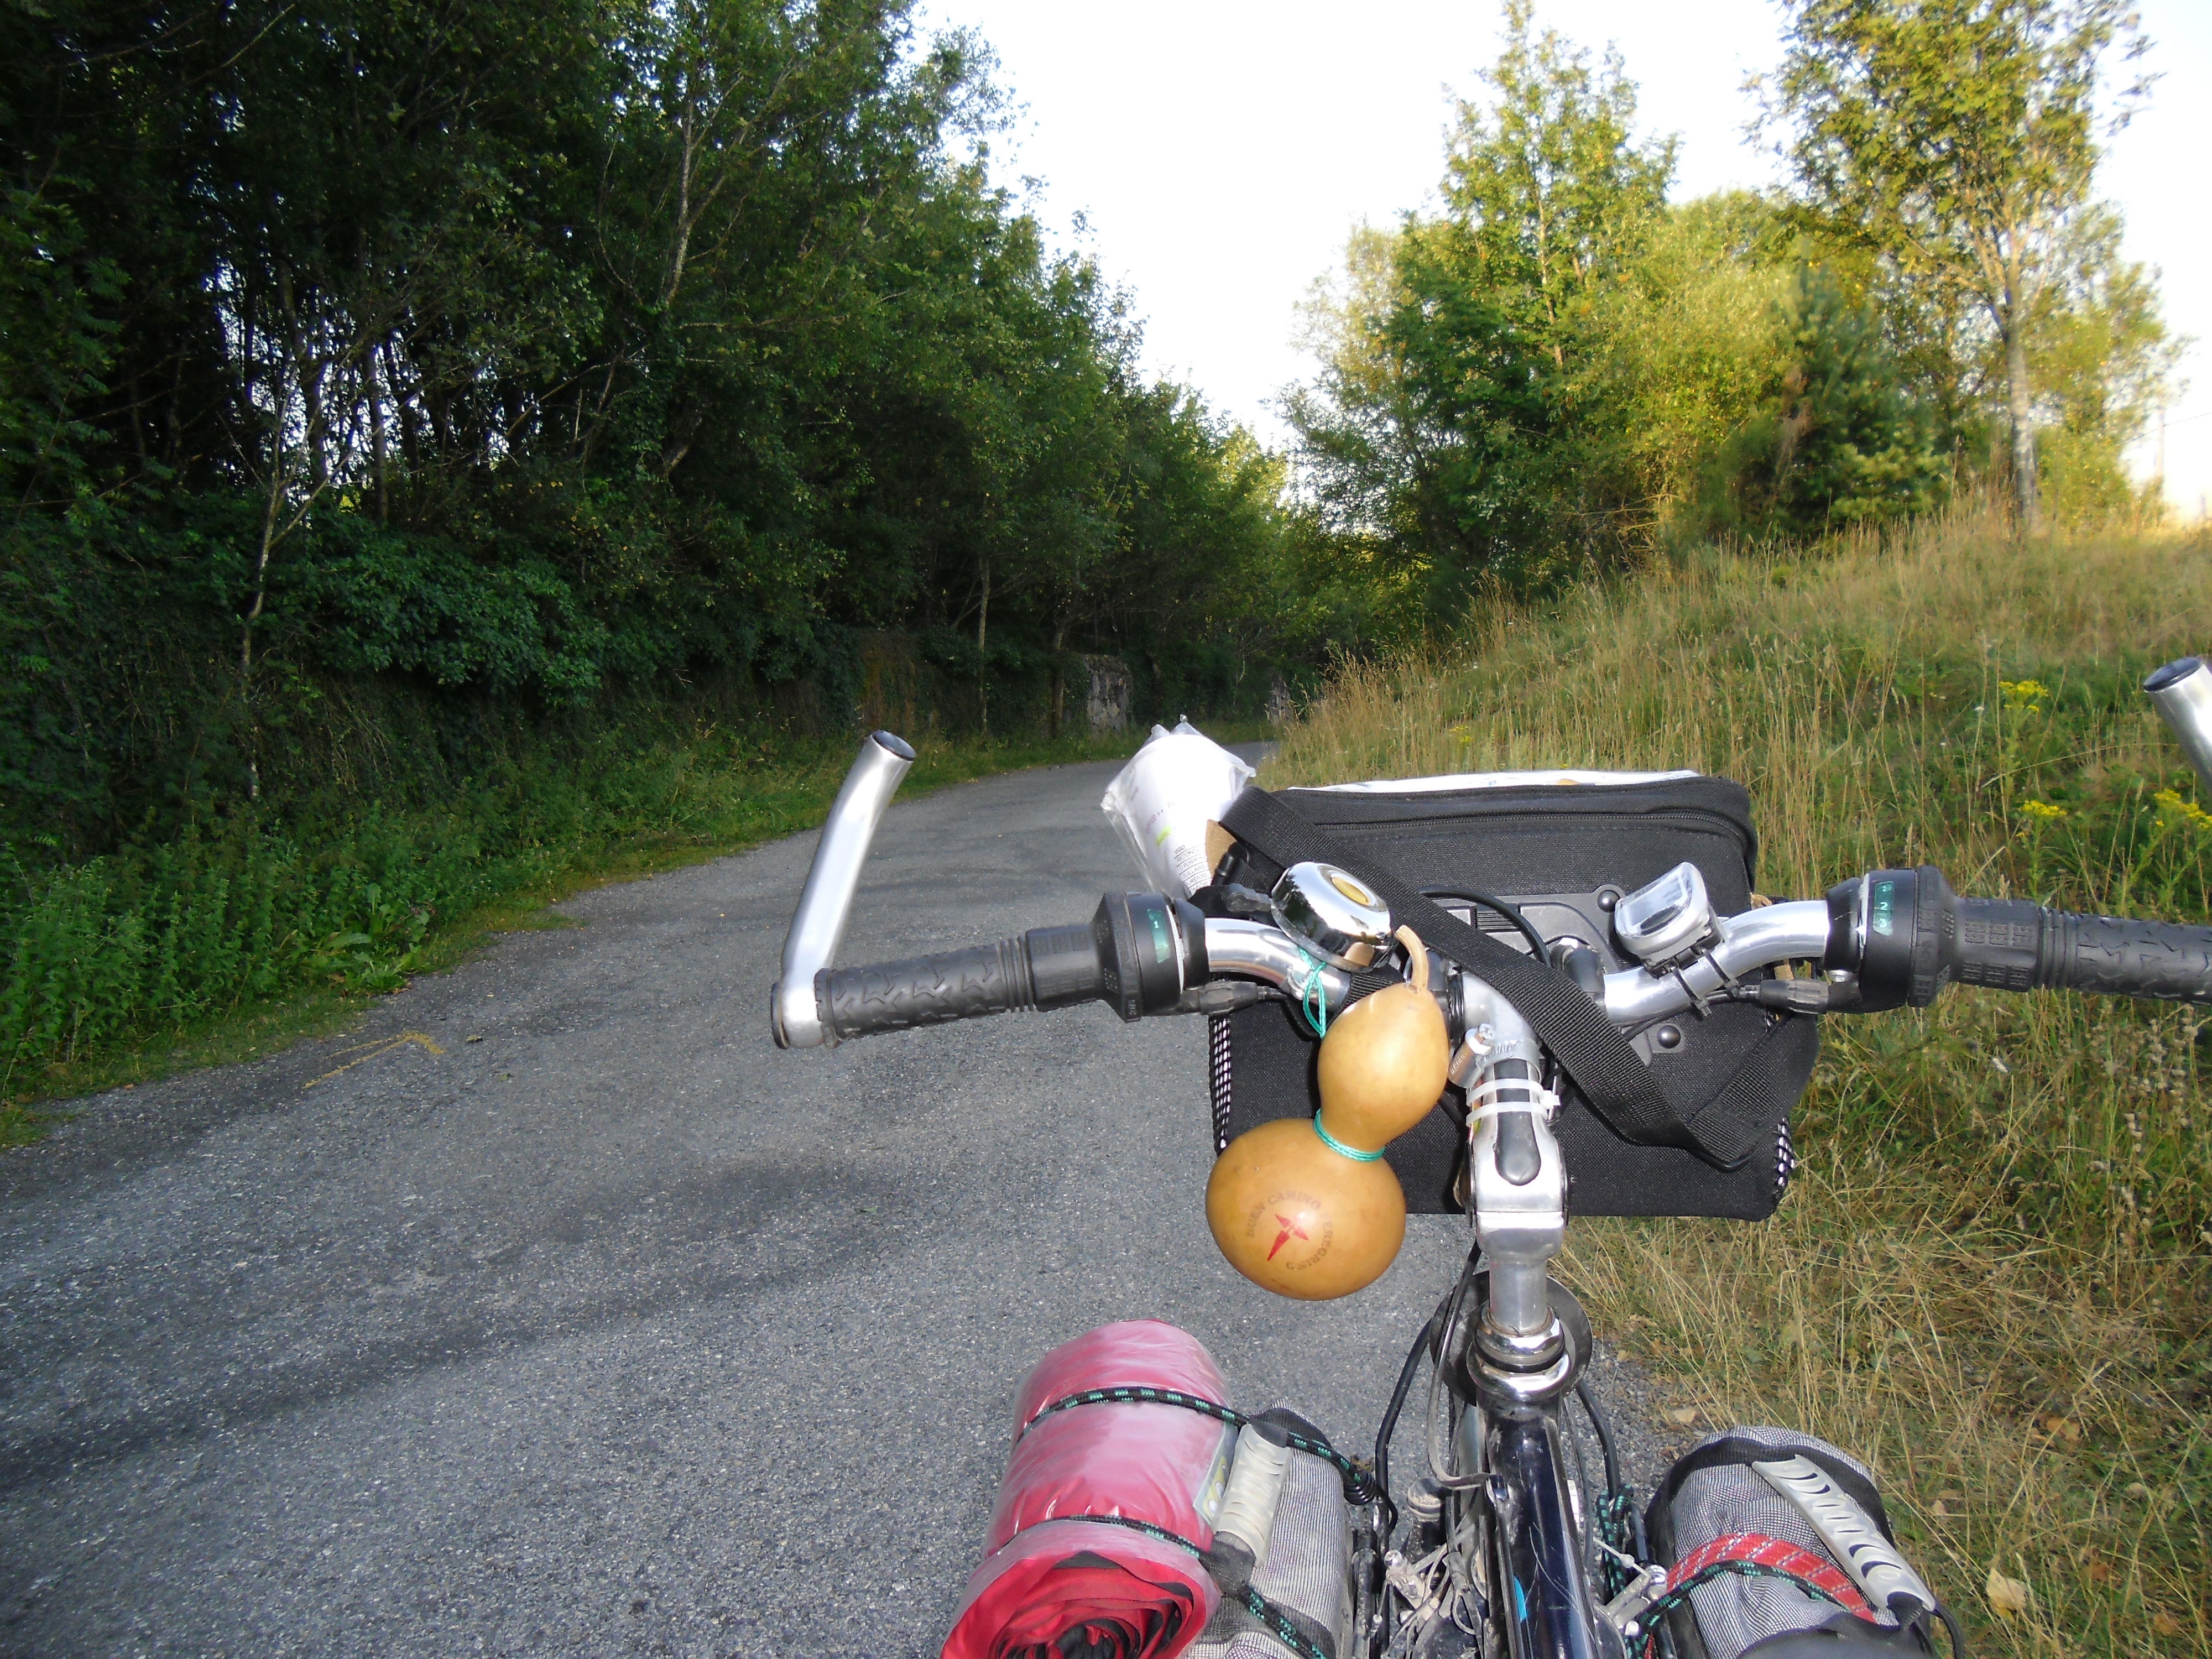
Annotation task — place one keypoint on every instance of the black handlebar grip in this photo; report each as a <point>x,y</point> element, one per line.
<point>1906,935</point>
<point>897,996</point>
<point>1127,956</point>
<point>2112,955</point>
<point>1045,968</point>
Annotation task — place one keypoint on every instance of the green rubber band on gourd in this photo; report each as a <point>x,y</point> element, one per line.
<point>1313,997</point>
<point>1336,1146</point>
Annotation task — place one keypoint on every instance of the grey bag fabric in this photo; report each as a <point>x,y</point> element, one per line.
<point>1711,1493</point>
<point>1307,1569</point>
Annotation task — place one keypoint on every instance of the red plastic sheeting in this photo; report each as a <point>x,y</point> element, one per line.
<point>1132,1353</point>
<point>1119,1593</point>
<point>1051,1585</point>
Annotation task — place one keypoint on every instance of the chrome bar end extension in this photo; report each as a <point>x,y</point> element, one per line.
<point>2183,691</point>
<point>818,926</point>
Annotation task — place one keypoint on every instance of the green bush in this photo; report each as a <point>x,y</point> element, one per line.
<point>1837,440</point>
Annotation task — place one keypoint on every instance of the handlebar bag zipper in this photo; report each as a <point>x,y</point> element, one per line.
<point>1735,1073</point>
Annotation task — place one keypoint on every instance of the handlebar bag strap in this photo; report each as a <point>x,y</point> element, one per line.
<point>1609,1072</point>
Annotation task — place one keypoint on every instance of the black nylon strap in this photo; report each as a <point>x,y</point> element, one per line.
<point>1720,1111</point>
<point>1609,1073</point>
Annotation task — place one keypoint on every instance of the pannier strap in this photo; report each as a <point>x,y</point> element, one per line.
<point>1761,1556</point>
<point>1298,1433</point>
<point>1609,1073</point>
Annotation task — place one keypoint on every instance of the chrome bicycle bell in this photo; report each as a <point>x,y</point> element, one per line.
<point>1332,915</point>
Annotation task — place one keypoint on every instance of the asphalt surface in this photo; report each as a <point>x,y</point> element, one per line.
<point>554,1311</point>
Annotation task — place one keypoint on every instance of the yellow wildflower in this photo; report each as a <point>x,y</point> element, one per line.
<point>2188,811</point>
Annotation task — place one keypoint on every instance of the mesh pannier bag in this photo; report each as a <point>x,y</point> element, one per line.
<point>1306,1574</point>
<point>1777,1547</point>
<point>1561,850</point>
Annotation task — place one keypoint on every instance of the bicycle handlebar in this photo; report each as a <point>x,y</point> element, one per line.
<point>1887,940</point>
<point>1891,939</point>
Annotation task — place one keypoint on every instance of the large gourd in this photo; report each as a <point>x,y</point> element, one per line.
<point>1303,1218</point>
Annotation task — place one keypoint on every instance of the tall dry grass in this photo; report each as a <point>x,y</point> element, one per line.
<point>1991,1276</point>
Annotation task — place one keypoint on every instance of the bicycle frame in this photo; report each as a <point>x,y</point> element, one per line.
<point>1509,1458</point>
<point>1545,1604</point>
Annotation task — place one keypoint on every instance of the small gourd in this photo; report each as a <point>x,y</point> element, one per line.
<point>1303,1218</point>
<point>1385,1060</point>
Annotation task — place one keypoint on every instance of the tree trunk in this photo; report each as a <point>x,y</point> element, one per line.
<point>2026,494</point>
<point>271,504</point>
<point>377,460</point>
<point>1059,672</point>
<point>982,662</point>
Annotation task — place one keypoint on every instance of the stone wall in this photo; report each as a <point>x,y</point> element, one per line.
<point>1112,688</point>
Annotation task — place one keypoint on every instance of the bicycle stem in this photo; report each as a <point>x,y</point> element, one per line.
<point>1519,1355</point>
<point>1516,1193</point>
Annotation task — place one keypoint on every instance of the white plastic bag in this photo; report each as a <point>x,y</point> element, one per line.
<point>1163,799</point>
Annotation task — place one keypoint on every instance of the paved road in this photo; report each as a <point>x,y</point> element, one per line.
<point>555,1311</point>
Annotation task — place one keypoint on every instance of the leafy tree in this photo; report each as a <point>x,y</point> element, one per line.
<point>1361,453</point>
<point>1549,195</point>
<point>1453,422</point>
<point>1839,440</point>
<point>1957,138</point>
<point>1686,349</point>
<point>2099,355</point>
<point>544,352</point>
<point>56,349</point>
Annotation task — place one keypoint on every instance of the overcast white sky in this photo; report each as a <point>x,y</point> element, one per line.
<point>1219,152</point>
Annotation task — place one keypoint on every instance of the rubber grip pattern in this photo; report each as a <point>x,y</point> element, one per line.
<point>2012,944</point>
<point>2112,955</point>
<point>898,996</point>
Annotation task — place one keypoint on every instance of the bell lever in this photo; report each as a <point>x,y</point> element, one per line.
<point>818,927</point>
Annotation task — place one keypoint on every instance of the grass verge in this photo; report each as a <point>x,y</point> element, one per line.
<point>239,939</point>
<point>1989,1277</point>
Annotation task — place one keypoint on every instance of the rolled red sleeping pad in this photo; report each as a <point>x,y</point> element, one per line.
<point>1062,1572</point>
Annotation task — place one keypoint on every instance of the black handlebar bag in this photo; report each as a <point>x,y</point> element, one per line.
<point>1562,852</point>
